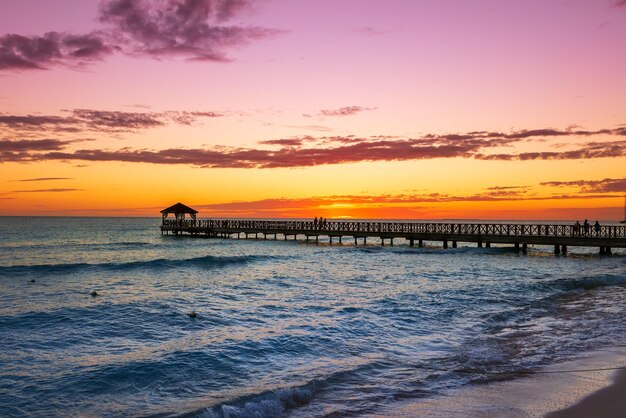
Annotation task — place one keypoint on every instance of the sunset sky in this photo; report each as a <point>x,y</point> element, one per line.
<point>417,109</point>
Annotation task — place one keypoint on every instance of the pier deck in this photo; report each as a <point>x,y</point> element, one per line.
<point>519,235</point>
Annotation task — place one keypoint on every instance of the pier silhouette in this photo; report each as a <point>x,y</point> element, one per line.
<point>519,235</point>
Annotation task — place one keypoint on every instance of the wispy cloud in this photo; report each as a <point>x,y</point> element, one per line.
<point>191,29</point>
<point>47,191</point>
<point>587,151</point>
<point>498,188</point>
<point>42,179</point>
<point>592,186</point>
<point>373,206</point>
<point>345,111</point>
<point>370,31</point>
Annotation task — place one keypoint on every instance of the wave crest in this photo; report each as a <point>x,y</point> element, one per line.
<point>270,404</point>
<point>207,261</point>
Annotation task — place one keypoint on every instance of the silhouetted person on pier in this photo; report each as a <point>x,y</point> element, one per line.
<point>596,227</point>
<point>586,227</point>
<point>577,228</point>
<point>315,222</point>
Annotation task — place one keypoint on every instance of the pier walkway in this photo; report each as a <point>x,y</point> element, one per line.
<point>449,234</point>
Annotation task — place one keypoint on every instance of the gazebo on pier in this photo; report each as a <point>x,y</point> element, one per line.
<point>179,211</point>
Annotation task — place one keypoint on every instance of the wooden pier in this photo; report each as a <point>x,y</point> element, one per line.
<point>605,237</point>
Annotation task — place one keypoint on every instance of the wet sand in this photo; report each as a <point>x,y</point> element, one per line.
<point>607,403</point>
<point>600,393</point>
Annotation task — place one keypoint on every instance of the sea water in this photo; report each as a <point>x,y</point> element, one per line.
<point>283,328</point>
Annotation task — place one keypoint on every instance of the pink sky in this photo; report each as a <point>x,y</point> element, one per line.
<point>252,74</point>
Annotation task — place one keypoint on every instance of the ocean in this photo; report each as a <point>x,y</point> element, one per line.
<point>283,328</point>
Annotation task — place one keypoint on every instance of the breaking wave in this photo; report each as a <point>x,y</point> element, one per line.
<point>208,261</point>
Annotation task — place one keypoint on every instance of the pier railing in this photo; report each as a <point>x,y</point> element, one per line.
<point>328,228</point>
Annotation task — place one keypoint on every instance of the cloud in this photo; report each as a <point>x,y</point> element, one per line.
<point>619,3</point>
<point>43,179</point>
<point>290,142</point>
<point>372,206</point>
<point>345,111</point>
<point>191,29</point>
<point>18,52</point>
<point>78,120</point>
<point>369,31</point>
<point>23,149</point>
<point>310,151</point>
<point>287,156</point>
<point>32,145</point>
<point>607,185</point>
<point>318,128</point>
<point>496,188</point>
<point>123,120</point>
<point>588,151</point>
<point>25,121</point>
<point>46,191</point>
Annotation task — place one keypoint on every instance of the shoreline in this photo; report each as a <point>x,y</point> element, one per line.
<point>546,393</point>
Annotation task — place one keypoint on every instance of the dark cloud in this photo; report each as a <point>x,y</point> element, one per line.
<point>292,156</point>
<point>40,52</point>
<point>21,150</point>
<point>191,29</point>
<point>619,3</point>
<point>345,111</point>
<point>123,120</point>
<point>43,179</point>
<point>32,145</point>
<point>78,120</point>
<point>309,151</point>
<point>290,142</point>
<point>27,121</point>
<point>607,185</point>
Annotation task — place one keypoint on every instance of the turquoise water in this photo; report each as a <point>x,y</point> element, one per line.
<point>284,328</point>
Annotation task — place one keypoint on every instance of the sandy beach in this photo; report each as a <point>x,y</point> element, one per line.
<point>548,393</point>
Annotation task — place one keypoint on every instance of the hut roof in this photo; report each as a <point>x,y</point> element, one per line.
<point>179,208</point>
